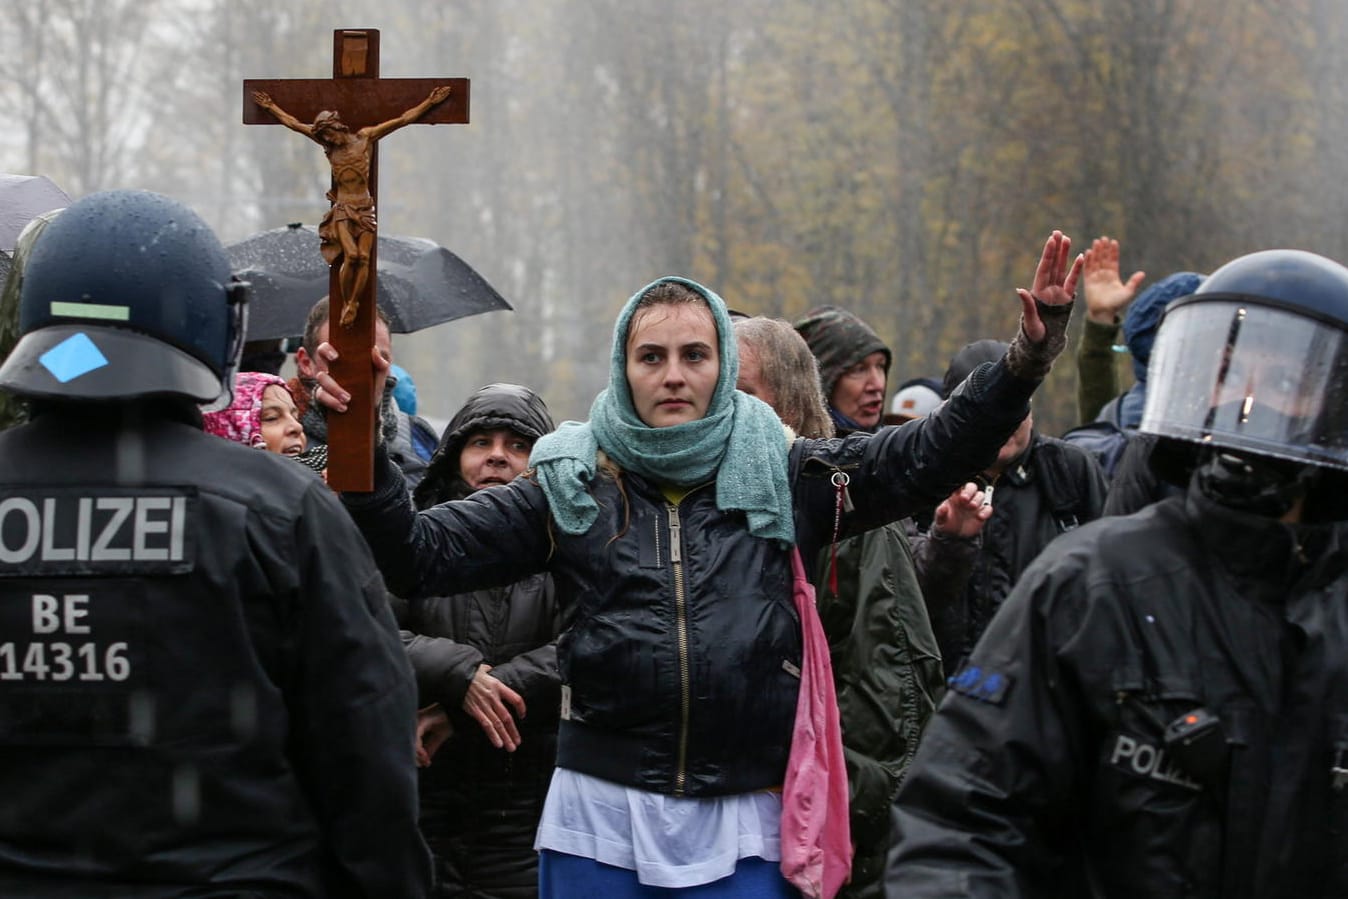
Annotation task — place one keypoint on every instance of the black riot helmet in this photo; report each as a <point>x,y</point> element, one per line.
<point>1255,364</point>
<point>127,295</point>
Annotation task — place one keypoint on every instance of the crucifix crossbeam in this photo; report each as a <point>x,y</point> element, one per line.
<point>348,114</point>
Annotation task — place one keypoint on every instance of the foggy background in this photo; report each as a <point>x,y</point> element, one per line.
<point>901,158</point>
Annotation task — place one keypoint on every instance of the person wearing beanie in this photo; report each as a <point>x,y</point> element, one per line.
<point>853,366</point>
<point>1038,486</point>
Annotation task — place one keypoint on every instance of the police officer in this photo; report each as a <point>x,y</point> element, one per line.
<point>202,690</point>
<point>1161,706</point>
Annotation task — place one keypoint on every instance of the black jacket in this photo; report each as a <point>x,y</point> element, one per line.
<point>480,805</point>
<point>679,662</point>
<point>1135,483</point>
<point>1048,771</point>
<point>201,685</point>
<point>1052,488</point>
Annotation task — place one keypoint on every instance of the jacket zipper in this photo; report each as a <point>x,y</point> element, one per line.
<point>681,636</point>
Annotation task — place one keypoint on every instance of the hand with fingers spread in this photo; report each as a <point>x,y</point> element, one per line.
<point>1045,310</point>
<point>1055,284</point>
<point>486,701</point>
<point>963,513</point>
<point>1107,295</point>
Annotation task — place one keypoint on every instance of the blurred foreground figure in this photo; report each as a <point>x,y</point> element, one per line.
<point>202,690</point>
<point>1160,708</point>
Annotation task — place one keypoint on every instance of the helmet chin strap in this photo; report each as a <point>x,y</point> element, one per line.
<point>1252,483</point>
<point>236,295</point>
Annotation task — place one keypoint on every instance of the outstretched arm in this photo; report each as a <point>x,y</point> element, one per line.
<point>1107,295</point>
<point>437,96</point>
<point>264,100</point>
<point>1045,310</point>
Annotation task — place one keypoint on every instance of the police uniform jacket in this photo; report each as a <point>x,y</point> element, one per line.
<point>1159,709</point>
<point>680,659</point>
<point>202,690</point>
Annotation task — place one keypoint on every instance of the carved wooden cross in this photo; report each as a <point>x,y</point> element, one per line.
<point>369,107</point>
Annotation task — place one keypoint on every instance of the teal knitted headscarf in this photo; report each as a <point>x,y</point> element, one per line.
<point>740,442</point>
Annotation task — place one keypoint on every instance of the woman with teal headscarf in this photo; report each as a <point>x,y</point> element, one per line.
<point>667,521</point>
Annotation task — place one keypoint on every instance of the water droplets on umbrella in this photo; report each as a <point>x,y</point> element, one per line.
<point>420,283</point>
<point>22,199</point>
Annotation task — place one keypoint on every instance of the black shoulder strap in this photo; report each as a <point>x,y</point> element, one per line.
<point>1059,483</point>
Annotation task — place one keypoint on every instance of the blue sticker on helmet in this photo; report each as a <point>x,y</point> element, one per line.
<point>73,357</point>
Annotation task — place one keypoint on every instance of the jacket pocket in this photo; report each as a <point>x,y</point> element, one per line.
<point>1158,813</point>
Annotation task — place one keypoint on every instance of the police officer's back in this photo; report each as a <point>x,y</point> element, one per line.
<point>202,691</point>
<point>1160,708</point>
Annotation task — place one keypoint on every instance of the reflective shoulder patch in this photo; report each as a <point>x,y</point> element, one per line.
<point>980,683</point>
<point>92,531</point>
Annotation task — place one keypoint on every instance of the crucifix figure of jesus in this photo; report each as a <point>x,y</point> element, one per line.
<point>348,229</point>
<point>347,115</point>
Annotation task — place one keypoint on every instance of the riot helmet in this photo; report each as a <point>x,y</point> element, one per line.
<point>1255,363</point>
<point>127,295</point>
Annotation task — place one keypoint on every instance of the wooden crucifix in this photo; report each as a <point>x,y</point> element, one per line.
<point>347,114</point>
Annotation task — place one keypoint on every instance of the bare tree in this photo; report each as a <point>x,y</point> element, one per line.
<point>79,69</point>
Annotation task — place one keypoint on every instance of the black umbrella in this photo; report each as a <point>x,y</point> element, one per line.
<point>22,199</point>
<point>9,308</point>
<point>420,283</point>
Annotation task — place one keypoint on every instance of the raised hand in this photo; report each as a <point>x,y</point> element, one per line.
<point>1055,283</point>
<point>1106,294</point>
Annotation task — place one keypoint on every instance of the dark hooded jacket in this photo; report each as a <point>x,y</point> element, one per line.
<point>1064,761</point>
<point>480,805</point>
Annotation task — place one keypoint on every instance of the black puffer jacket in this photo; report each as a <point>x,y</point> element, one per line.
<point>1047,771</point>
<point>480,805</point>
<point>681,656</point>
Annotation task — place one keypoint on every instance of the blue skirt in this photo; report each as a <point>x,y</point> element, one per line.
<point>562,876</point>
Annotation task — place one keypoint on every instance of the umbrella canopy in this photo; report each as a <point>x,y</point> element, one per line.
<point>22,199</point>
<point>9,310</point>
<point>420,283</point>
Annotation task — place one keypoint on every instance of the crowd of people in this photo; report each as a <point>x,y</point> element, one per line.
<point>542,660</point>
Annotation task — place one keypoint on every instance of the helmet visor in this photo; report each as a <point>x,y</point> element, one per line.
<point>1259,378</point>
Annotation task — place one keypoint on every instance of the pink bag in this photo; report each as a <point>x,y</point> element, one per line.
<point>816,835</point>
